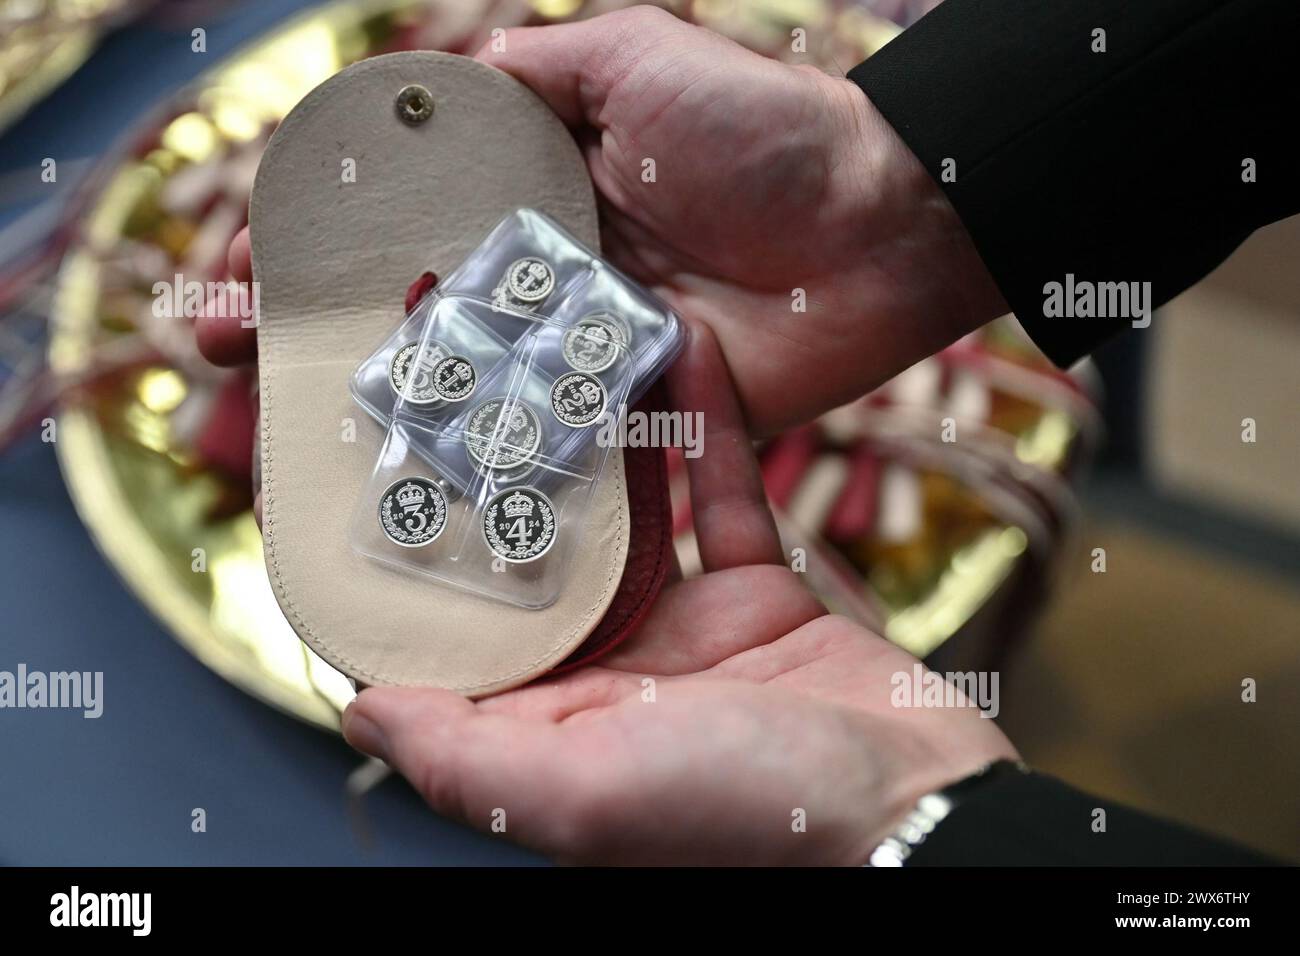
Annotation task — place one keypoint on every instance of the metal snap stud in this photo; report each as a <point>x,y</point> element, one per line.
<point>414,104</point>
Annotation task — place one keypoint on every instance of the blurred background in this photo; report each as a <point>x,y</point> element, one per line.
<point>129,136</point>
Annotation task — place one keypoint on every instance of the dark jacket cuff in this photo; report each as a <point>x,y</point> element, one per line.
<point>1027,819</point>
<point>1123,166</point>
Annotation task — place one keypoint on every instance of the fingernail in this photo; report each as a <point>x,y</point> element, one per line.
<point>364,734</point>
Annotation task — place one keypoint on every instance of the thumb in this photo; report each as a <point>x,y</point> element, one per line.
<point>572,66</point>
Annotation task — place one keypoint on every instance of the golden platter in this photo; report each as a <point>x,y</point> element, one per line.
<point>133,478</point>
<point>181,533</point>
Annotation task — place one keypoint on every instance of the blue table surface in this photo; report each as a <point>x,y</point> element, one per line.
<point>120,790</point>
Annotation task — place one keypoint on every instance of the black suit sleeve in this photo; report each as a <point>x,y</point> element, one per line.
<point>1031,820</point>
<point>1116,166</point>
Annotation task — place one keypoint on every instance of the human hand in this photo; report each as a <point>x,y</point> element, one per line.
<point>767,178</point>
<point>764,704</point>
<point>225,337</point>
<point>738,702</point>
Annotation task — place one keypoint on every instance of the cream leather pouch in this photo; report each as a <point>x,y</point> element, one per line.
<point>357,195</point>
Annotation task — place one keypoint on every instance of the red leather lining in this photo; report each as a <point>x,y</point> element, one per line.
<point>418,289</point>
<point>649,549</point>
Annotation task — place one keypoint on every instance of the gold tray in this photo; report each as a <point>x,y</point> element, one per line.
<point>136,483</point>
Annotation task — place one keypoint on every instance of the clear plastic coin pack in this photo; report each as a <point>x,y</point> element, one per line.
<point>502,391</point>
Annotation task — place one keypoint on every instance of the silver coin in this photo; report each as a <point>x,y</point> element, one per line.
<point>594,342</point>
<point>530,279</point>
<point>519,524</point>
<point>413,512</point>
<point>454,378</point>
<point>502,445</point>
<point>405,367</point>
<point>577,399</point>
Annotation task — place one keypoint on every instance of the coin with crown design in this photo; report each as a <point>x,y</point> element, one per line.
<point>413,512</point>
<point>577,399</point>
<point>594,342</point>
<point>454,378</point>
<point>526,283</point>
<point>502,433</point>
<point>519,524</point>
<point>407,367</point>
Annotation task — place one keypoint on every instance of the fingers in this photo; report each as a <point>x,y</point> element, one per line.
<point>573,65</point>
<point>733,523</point>
<point>240,257</point>
<point>224,336</point>
<point>553,62</point>
<point>465,762</point>
<point>380,713</point>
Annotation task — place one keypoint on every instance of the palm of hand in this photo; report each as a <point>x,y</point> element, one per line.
<point>741,723</point>
<point>712,737</point>
<point>763,706</point>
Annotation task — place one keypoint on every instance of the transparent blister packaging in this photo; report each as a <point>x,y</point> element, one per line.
<point>436,357</point>
<point>530,410</point>
<point>526,263</point>
<point>502,391</point>
<point>528,268</point>
<point>602,308</point>
<point>495,498</point>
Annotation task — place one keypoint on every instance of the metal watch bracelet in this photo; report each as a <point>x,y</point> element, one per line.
<point>932,809</point>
